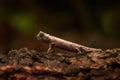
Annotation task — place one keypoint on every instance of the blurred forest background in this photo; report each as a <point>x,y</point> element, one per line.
<point>93,23</point>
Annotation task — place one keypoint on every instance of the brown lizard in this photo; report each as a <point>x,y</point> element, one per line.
<point>63,44</point>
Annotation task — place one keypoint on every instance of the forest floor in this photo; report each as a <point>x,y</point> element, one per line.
<point>25,64</point>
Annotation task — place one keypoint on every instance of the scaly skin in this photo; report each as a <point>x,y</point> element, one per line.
<point>63,44</point>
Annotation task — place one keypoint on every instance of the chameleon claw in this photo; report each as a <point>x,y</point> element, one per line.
<point>50,49</point>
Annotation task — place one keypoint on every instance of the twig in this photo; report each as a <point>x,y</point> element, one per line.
<point>63,44</point>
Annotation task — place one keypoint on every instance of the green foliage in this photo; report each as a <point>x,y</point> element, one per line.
<point>24,23</point>
<point>110,22</point>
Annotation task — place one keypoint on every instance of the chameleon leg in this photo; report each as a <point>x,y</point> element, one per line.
<point>78,51</point>
<point>50,49</point>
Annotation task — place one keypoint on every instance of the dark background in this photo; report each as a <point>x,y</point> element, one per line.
<point>93,23</point>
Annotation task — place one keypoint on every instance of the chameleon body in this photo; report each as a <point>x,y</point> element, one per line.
<point>63,44</point>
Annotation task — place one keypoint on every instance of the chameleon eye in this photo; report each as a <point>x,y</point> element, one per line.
<point>41,34</point>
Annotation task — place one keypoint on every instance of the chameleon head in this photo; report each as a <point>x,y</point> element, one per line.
<point>43,36</point>
<point>40,35</point>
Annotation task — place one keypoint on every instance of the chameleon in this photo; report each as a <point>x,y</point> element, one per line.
<point>63,44</point>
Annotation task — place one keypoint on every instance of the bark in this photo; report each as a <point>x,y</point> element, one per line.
<point>24,64</point>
